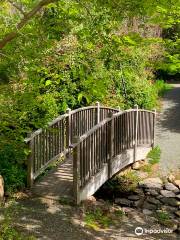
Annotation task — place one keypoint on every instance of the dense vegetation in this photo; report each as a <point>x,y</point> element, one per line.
<point>69,53</point>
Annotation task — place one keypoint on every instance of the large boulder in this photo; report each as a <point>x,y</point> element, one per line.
<point>1,189</point>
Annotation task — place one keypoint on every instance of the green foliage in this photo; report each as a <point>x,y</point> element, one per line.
<point>154,155</point>
<point>123,183</point>
<point>161,87</point>
<point>72,54</point>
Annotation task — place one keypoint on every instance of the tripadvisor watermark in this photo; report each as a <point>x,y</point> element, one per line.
<point>140,231</point>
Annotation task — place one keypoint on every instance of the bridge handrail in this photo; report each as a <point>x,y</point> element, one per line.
<point>47,144</point>
<point>98,147</point>
<point>60,117</point>
<point>84,136</point>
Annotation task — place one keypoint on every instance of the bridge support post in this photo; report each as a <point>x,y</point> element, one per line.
<point>76,170</point>
<point>30,178</point>
<point>68,130</point>
<point>110,143</point>
<point>97,112</point>
<point>136,132</point>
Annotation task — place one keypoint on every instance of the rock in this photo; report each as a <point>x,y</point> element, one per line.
<point>91,199</point>
<point>147,212</point>
<point>171,178</point>
<point>153,201</point>
<point>1,189</point>
<point>151,183</point>
<point>170,201</point>
<point>177,213</point>
<point>177,183</point>
<point>136,166</point>
<point>171,187</point>
<point>133,197</point>
<point>123,201</point>
<point>168,194</point>
<point>139,192</point>
<point>159,197</point>
<point>153,192</point>
<point>174,226</point>
<point>168,208</point>
<point>178,196</point>
<point>138,203</point>
<point>127,210</point>
<point>149,206</point>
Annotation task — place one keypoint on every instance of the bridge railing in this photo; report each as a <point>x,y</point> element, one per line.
<point>95,153</point>
<point>48,144</point>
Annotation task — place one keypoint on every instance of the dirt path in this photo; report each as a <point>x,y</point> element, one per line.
<point>47,219</point>
<point>168,130</point>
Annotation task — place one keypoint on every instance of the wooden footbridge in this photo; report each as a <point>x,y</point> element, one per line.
<point>97,142</point>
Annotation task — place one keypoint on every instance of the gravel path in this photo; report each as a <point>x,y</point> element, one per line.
<point>168,130</point>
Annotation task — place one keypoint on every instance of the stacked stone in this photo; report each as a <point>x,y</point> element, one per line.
<point>153,195</point>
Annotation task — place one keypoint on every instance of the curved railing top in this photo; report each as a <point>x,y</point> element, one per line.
<point>84,136</point>
<point>68,112</point>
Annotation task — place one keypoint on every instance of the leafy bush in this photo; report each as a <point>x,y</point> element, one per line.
<point>161,87</point>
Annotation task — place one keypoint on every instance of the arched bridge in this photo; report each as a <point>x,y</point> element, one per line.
<point>97,141</point>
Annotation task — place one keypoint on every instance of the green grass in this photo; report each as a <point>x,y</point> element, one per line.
<point>154,155</point>
<point>164,218</point>
<point>147,168</point>
<point>99,219</point>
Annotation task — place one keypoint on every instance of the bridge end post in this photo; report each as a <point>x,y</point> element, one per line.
<point>136,132</point>
<point>76,170</point>
<point>30,179</point>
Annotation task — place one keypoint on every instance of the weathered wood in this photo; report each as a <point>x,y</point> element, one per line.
<point>97,112</point>
<point>110,142</point>
<point>136,133</point>
<point>154,128</point>
<point>98,143</point>
<point>30,162</point>
<point>76,170</point>
<point>68,127</point>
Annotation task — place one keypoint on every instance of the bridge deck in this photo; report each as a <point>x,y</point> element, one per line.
<point>57,183</point>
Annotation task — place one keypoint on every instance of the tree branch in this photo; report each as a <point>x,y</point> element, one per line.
<point>18,7</point>
<point>11,35</point>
